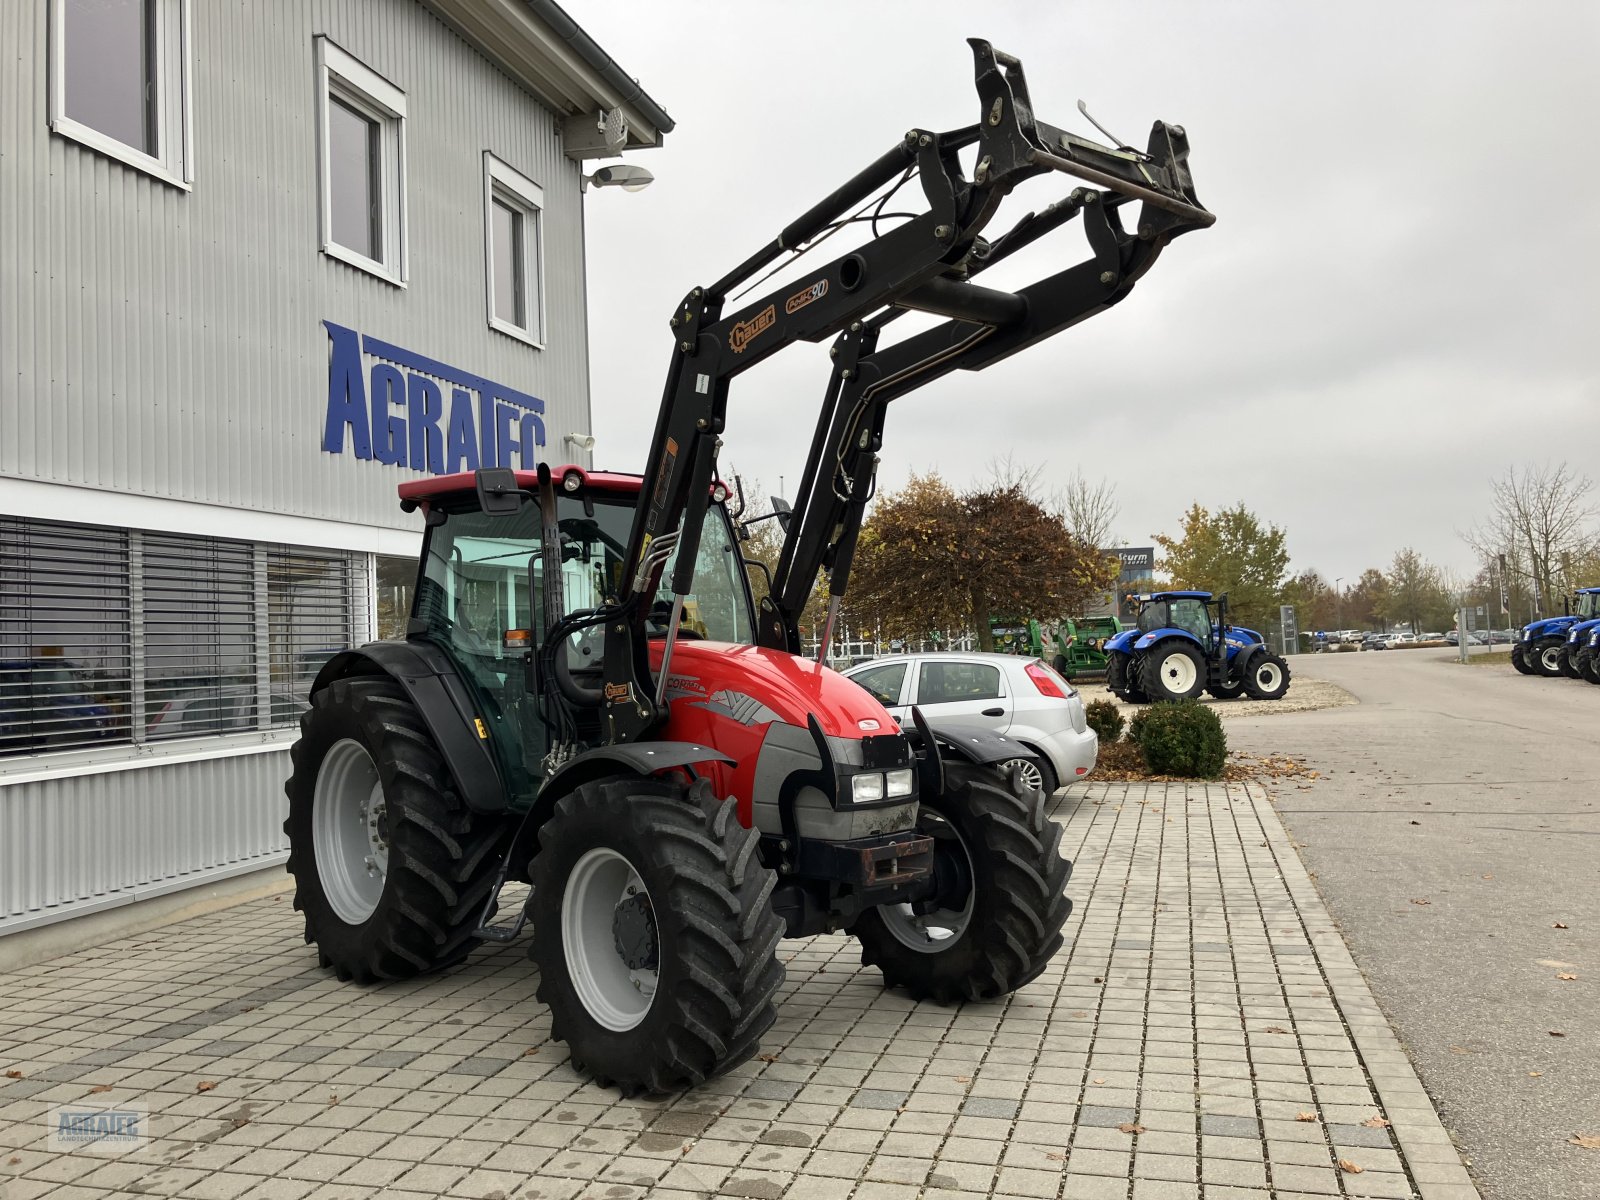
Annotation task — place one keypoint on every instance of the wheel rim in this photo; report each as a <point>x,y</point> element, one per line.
<point>1178,672</point>
<point>1268,676</point>
<point>610,938</point>
<point>939,929</point>
<point>350,831</point>
<point>1552,659</point>
<point>1027,770</point>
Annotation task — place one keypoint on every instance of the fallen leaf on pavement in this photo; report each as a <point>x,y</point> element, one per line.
<point>1274,1029</point>
<point>98,1088</point>
<point>1130,1127</point>
<point>1565,975</point>
<point>963,1078</point>
<point>1099,1081</point>
<point>1376,1123</point>
<point>1346,1165</point>
<point>1055,1156</point>
<point>333,1099</point>
<point>13,1074</point>
<point>1535,1074</point>
<point>530,1050</point>
<point>1305,1116</point>
<point>240,1122</point>
<point>1419,823</point>
<point>1422,902</point>
<point>767,1057</point>
<point>1589,1141</point>
<point>1559,925</point>
<point>1556,1033</point>
<point>205,1085</point>
<point>13,1160</point>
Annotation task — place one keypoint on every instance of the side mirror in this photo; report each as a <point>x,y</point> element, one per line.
<point>782,511</point>
<point>498,493</point>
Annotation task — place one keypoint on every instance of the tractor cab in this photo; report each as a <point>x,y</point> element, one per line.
<point>481,577</point>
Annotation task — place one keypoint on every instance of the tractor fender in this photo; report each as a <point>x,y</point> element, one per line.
<point>976,743</point>
<point>442,701</point>
<point>1121,642</point>
<point>1161,635</point>
<point>640,758</point>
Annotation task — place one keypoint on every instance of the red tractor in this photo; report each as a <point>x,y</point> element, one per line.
<point>587,700</point>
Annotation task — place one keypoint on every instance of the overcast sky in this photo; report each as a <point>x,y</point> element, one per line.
<point>1398,300</point>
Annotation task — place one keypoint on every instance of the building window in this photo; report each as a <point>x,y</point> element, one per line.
<point>119,81</point>
<point>513,258</point>
<point>396,578</point>
<point>361,122</point>
<point>114,637</point>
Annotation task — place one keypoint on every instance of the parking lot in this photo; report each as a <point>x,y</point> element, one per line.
<point>1203,1033</point>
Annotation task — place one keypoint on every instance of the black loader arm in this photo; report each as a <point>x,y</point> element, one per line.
<point>926,264</point>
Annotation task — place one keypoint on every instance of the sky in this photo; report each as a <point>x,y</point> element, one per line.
<point>1398,300</point>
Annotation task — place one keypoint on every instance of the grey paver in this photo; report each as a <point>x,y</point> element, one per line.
<point>1184,1027</point>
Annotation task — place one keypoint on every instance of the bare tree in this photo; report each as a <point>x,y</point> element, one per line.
<point>1543,518</point>
<point>1088,509</point>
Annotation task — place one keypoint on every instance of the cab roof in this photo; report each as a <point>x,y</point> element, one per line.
<point>1176,596</point>
<point>438,487</point>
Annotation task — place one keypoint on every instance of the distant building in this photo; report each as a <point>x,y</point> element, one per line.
<point>258,265</point>
<point>1138,567</point>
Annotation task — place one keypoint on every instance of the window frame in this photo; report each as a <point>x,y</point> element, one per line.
<point>342,76</point>
<point>173,163</point>
<point>503,182</point>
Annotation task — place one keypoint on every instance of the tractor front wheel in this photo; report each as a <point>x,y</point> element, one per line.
<point>1583,662</point>
<point>1545,655</point>
<point>1569,668</point>
<point>653,932</point>
<point>1519,659</point>
<point>1266,677</point>
<point>1226,691</point>
<point>995,916</point>
<point>1173,670</point>
<point>391,868</point>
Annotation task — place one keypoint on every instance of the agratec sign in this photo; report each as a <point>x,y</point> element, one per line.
<point>395,411</point>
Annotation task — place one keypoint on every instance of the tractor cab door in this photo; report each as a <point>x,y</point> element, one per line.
<point>1192,616</point>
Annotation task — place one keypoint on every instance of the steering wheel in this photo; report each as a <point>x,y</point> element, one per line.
<point>661,615</point>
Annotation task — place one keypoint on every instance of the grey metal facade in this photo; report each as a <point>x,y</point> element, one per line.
<point>170,343</point>
<point>165,367</point>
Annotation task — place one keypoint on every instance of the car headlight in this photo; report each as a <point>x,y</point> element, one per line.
<point>866,787</point>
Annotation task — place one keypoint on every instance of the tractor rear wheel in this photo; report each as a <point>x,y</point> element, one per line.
<point>1545,655</point>
<point>1519,659</point>
<point>653,932</point>
<point>391,868</point>
<point>995,918</point>
<point>1266,677</point>
<point>1173,670</point>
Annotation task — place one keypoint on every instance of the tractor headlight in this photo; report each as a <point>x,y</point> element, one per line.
<point>902,782</point>
<point>866,787</point>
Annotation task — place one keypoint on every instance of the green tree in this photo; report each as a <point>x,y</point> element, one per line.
<point>1364,603</point>
<point>1229,551</point>
<point>1417,593</point>
<point>930,558</point>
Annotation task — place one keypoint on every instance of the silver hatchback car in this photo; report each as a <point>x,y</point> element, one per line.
<point>1011,694</point>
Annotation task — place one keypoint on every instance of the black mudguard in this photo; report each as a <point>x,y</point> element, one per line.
<point>431,681</point>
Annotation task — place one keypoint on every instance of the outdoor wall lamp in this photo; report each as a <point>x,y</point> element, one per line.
<point>624,175</point>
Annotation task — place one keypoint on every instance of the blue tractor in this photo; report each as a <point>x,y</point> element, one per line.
<point>1587,658</point>
<point>1183,643</point>
<point>1547,647</point>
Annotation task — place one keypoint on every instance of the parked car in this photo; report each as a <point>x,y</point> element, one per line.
<point>1373,641</point>
<point>49,703</point>
<point>1022,698</point>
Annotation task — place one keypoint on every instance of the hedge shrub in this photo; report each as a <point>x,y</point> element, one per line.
<point>1182,737</point>
<point>1105,718</point>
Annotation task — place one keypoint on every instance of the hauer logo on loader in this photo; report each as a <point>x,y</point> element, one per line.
<point>678,783</point>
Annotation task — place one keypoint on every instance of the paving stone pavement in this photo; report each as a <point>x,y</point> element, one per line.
<point>1202,1035</point>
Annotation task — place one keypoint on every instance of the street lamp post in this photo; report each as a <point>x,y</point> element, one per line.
<point>1338,602</point>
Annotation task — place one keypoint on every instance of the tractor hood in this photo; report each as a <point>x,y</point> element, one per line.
<point>761,685</point>
<point>1549,627</point>
<point>1580,632</point>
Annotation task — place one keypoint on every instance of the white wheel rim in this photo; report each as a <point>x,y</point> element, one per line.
<point>616,995</point>
<point>1268,676</point>
<point>930,933</point>
<point>1552,659</point>
<point>1027,770</point>
<point>350,831</point>
<point>1178,672</point>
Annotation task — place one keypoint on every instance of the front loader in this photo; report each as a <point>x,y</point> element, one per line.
<point>587,699</point>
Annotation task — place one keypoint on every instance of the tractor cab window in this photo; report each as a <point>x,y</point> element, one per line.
<point>1191,616</point>
<point>718,607</point>
<point>1153,616</point>
<point>1588,604</point>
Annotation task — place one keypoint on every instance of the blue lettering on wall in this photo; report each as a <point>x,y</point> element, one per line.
<point>395,410</point>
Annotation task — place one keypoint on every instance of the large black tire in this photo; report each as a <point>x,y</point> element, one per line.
<point>1062,667</point>
<point>1173,670</point>
<point>1266,676</point>
<point>1582,661</point>
<point>996,835</point>
<point>1519,659</point>
<point>442,857</point>
<point>1569,668</point>
<point>1122,678</point>
<point>712,931</point>
<point>1545,656</point>
<point>1226,691</point>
